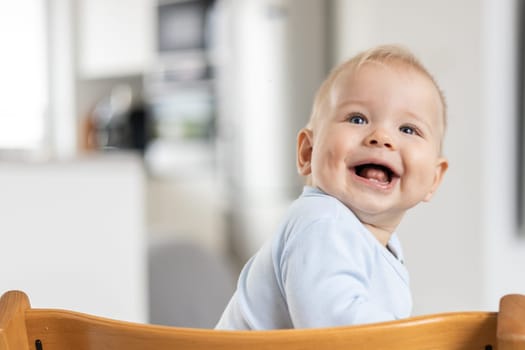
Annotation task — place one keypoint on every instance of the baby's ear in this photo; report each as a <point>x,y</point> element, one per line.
<point>441,168</point>
<point>304,151</point>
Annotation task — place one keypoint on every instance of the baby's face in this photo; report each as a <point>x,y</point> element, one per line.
<point>376,146</point>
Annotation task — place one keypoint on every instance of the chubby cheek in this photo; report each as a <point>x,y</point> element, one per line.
<point>328,161</point>
<point>422,171</point>
<point>322,164</point>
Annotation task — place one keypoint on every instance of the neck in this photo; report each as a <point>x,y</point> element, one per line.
<point>380,233</point>
<point>381,226</point>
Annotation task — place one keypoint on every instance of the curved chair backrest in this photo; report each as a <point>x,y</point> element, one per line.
<point>24,328</point>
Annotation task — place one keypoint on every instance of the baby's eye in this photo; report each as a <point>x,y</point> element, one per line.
<point>409,130</point>
<point>357,119</point>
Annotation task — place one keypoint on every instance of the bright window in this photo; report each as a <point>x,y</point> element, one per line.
<point>23,78</point>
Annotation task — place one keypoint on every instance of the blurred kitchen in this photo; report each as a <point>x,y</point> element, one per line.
<point>147,147</point>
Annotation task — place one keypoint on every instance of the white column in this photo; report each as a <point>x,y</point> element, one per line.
<point>62,127</point>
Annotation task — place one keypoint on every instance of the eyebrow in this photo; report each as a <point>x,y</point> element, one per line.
<point>347,102</point>
<point>419,119</point>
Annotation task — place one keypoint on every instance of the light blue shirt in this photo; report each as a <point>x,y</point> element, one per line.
<point>323,268</point>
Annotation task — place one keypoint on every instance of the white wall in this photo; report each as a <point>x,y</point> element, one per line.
<point>62,123</point>
<point>461,248</point>
<point>504,249</point>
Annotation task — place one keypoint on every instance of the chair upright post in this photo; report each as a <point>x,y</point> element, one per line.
<point>13,333</point>
<point>511,322</point>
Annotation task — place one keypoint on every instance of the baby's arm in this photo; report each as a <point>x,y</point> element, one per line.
<point>326,277</point>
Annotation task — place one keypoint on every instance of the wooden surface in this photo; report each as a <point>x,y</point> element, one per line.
<point>13,335</point>
<point>511,322</point>
<point>67,330</point>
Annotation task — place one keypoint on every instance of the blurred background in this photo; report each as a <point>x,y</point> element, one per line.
<point>147,147</point>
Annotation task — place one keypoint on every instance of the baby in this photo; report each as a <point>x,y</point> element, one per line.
<point>371,150</point>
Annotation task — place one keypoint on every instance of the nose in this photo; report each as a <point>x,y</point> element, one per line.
<point>379,138</point>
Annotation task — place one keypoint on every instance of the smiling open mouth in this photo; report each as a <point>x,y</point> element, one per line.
<point>375,172</point>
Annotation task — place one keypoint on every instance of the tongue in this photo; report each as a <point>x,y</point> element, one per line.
<point>374,174</point>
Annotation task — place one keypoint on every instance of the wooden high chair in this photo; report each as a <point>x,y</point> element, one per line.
<point>25,328</point>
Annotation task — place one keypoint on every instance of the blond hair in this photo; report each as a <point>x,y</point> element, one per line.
<point>384,54</point>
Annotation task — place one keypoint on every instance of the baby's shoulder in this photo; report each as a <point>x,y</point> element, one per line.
<point>316,220</point>
<point>317,206</point>
<point>317,212</point>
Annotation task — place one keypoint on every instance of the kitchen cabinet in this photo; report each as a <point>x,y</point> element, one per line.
<point>115,37</point>
<point>74,234</point>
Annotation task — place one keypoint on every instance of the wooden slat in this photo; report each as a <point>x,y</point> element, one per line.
<point>64,330</point>
<point>21,327</point>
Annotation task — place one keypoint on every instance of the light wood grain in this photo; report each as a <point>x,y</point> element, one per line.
<point>21,326</point>
<point>511,322</point>
<point>13,334</point>
<point>68,330</point>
